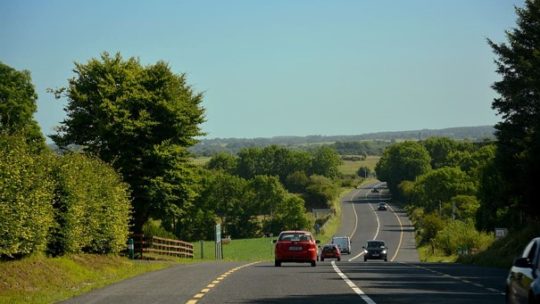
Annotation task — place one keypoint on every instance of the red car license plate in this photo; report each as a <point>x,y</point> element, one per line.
<point>295,248</point>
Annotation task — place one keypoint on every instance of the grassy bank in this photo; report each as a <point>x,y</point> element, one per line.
<point>46,280</point>
<point>503,251</point>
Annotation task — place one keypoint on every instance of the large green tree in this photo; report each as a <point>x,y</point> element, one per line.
<point>141,119</point>
<point>402,161</point>
<point>18,105</point>
<point>518,103</point>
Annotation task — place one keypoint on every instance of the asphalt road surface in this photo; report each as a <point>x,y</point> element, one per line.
<point>403,279</point>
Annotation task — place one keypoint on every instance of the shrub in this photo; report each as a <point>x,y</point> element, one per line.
<point>92,207</point>
<point>26,192</point>
<point>462,235</point>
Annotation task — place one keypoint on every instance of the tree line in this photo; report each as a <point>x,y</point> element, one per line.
<point>455,189</point>
<point>123,164</point>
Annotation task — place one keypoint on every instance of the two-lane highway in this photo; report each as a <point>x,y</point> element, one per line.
<point>403,279</point>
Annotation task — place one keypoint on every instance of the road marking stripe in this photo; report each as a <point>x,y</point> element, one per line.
<point>376,232</point>
<point>200,295</point>
<point>353,286</point>
<point>355,220</point>
<point>457,278</point>
<point>400,235</point>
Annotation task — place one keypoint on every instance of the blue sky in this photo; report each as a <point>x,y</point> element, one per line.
<point>284,67</point>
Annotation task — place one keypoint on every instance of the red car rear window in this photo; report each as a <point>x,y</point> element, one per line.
<point>295,237</point>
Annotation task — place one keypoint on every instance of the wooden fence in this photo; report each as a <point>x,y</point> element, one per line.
<point>161,246</point>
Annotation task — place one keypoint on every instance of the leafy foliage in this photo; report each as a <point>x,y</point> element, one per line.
<point>92,207</point>
<point>140,119</point>
<point>26,193</point>
<point>403,161</point>
<point>18,105</point>
<point>518,134</point>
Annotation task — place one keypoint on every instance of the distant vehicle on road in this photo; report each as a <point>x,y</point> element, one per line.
<point>296,246</point>
<point>343,243</point>
<point>382,206</point>
<point>330,251</point>
<point>523,281</point>
<point>375,249</point>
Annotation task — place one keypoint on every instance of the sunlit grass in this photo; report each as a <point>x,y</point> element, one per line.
<point>46,280</point>
<point>349,167</point>
<point>426,255</point>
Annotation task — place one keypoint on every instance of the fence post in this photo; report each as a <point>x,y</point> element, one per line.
<point>202,249</point>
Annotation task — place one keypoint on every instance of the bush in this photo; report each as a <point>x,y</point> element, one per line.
<point>92,207</point>
<point>462,235</point>
<point>26,192</point>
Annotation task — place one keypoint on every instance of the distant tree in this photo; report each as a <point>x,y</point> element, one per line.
<point>439,149</point>
<point>402,161</point>
<point>223,161</point>
<point>225,195</point>
<point>140,119</point>
<point>320,191</point>
<point>436,188</point>
<point>18,105</point>
<point>363,171</point>
<point>518,134</point>
<point>326,162</point>
<point>297,181</point>
<point>291,215</point>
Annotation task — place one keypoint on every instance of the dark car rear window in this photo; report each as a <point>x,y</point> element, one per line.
<point>375,244</point>
<point>295,237</point>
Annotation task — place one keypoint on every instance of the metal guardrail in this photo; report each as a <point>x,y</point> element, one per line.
<point>161,246</point>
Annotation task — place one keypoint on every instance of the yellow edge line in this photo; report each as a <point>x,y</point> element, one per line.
<point>201,294</point>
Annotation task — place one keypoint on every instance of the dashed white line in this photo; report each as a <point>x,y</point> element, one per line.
<point>353,286</point>
<point>400,234</point>
<point>376,232</point>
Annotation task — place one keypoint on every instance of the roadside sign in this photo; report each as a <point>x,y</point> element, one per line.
<point>500,232</point>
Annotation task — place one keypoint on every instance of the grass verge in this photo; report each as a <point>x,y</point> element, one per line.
<point>39,279</point>
<point>503,251</point>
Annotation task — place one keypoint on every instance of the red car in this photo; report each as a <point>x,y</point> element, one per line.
<point>297,247</point>
<point>330,251</point>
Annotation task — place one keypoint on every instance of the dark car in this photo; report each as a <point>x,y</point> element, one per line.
<point>375,249</point>
<point>523,282</point>
<point>297,247</point>
<point>382,207</point>
<point>330,251</point>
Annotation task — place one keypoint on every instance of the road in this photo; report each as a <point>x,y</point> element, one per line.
<point>403,279</point>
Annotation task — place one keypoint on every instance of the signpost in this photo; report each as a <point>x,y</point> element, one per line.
<point>219,251</point>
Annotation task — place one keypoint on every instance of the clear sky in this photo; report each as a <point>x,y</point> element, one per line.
<point>280,67</point>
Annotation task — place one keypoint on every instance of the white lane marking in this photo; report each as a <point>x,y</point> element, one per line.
<point>374,237</point>
<point>457,278</point>
<point>355,221</point>
<point>400,235</point>
<point>353,286</point>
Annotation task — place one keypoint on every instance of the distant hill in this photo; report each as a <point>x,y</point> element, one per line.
<point>209,147</point>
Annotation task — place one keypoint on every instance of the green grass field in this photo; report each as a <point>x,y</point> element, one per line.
<point>200,161</point>
<point>351,167</point>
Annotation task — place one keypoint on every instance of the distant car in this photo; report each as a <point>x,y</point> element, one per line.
<point>343,243</point>
<point>375,190</point>
<point>375,249</point>
<point>382,207</point>
<point>523,281</point>
<point>296,246</point>
<point>330,251</point>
